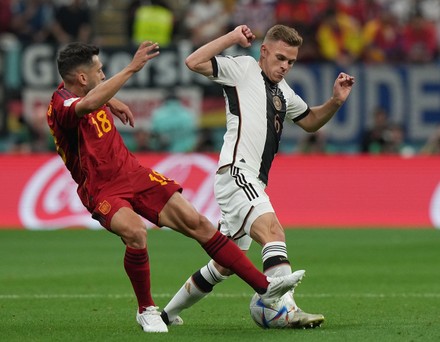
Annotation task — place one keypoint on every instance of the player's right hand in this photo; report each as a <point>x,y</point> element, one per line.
<point>147,50</point>
<point>246,37</point>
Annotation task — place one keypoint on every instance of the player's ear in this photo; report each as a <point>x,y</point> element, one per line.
<point>263,50</point>
<point>82,78</point>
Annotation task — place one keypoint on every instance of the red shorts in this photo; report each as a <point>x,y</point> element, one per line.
<point>144,190</point>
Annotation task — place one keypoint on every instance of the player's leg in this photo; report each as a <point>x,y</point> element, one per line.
<point>132,230</point>
<point>196,287</point>
<point>181,216</point>
<point>200,284</point>
<point>268,232</point>
<point>246,209</point>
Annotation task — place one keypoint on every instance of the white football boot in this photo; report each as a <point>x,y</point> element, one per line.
<point>279,286</point>
<point>150,320</point>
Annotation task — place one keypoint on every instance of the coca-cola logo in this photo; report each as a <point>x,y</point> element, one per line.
<point>50,201</point>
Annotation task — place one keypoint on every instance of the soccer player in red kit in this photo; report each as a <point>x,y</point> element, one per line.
<point>117,190</point>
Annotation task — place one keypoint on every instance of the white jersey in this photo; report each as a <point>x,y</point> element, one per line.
<point>255,112</point>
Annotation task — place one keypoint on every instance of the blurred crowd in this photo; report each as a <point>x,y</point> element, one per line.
<point>334,31</point>
<point>340,31</point>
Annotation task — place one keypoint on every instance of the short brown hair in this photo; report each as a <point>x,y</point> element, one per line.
<point>73,55</point>
<point>284,33</point>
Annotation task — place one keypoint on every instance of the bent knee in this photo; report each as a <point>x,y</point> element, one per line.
<point>267,229</point>
<point>135,237</point>
<point>131,229</point>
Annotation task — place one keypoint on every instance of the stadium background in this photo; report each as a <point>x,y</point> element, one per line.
<point>338,187</point>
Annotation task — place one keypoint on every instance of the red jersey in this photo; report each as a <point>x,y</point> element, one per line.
<point>91,147</point>
<point>108,175</point>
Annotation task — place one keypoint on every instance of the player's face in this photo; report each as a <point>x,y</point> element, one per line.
<point>94,73</point>
<point>277,58</point>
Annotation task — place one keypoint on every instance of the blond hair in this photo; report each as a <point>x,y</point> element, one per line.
<point>284,33</point>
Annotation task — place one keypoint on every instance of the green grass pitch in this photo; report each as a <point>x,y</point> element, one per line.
<point>70,285</point>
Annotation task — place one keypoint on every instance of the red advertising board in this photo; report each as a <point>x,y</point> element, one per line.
<point>306,191</point>
<point>356,191</point>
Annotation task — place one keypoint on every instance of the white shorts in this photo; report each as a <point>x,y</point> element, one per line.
<point>242,199</point>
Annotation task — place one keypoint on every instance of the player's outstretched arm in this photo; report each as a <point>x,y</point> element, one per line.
<point>200,60</point>
<point>104,91</point>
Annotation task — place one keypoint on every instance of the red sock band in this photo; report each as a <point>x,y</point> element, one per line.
<point>227,254</point>
<point>137,266</point>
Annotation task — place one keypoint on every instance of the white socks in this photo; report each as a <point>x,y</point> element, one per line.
<point>195,288</point>
<point>273,253</point>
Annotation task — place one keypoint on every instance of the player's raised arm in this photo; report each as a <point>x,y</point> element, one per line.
<point>104,91</point>
<point>320,115</point>
<point>200,60</point>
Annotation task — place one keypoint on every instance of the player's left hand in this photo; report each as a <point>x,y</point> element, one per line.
<point>122,111</point>
<point>342,86</point>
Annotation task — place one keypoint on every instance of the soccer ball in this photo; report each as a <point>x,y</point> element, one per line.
<point>275,317</point>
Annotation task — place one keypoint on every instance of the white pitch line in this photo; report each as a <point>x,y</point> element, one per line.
<point>216,295</point>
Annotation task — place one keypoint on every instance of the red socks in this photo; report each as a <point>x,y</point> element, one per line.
<point>227,254</point>
<point>137,266</point>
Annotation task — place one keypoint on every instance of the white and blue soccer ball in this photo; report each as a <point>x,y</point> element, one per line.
<point>275,317</point>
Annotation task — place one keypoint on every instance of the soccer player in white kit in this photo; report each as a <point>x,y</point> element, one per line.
<point>258,100</point>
